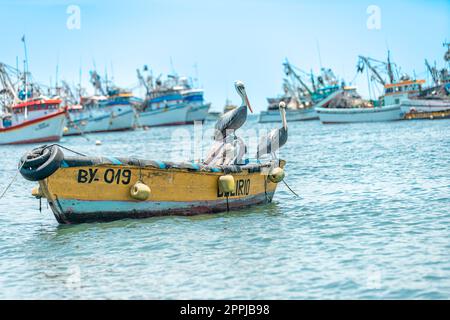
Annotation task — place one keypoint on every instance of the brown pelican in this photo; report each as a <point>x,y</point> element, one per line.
<point>225,139</point>
<point>276,138</point>
<point>233,119</point>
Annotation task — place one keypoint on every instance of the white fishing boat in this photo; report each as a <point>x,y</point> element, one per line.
<point>291,115</point>
<point>37,120</point>
<point>27,116</point>
<point>350,107</point>
<point>87,117</point>
<point>303,92</point>
<point>174,101</point>
<point>432,102</point>
<point>199,109</point>
<point>165,115</point>
<point>348,115</point>
<point>425,105</point>
<point>296,113</point>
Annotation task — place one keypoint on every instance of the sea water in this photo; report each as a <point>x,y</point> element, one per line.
<point>372,220</point>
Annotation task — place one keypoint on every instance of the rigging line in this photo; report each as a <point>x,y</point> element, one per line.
<point>291,189</point>
<point>11,182</point>
<point>56,144</point>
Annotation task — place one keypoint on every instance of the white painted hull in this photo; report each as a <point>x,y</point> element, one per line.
<point>424,105</point>
<point>298,114</point>
<point>163,117</point>
<point>197,113</point>
<point>120,117</point>
<point>349,115</point>
<point>44,129</point>
<point>291,115</point>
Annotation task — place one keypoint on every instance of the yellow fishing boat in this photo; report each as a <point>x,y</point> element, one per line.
<point>81,188</point>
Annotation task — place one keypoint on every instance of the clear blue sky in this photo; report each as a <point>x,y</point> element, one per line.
<point>228,40</point>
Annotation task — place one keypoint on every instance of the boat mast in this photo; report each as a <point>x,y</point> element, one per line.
<point>447,54</point>
<point>290,71</point>
<point>433,72</point>
<point>143,83</point>
<point>366,61</point>
<point>25,71</point>
<point>389,68</point>
<point>8,86</point>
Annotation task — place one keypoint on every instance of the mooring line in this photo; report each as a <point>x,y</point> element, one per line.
<point>11,182</point>
<point>57,144</point>
<point>291,189</point>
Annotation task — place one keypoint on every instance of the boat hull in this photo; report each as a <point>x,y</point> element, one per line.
<point>198,113</point>
<point>164,117</point>
<point>351,115</point>
<point>291,115</point>
<point>89,124</point>
<point>102,192</point>
<point>122,117</point>
<point>428,106</point>
<point>44,129</point>
<point>116,118</point>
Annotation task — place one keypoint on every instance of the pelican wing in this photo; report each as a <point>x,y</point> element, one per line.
<point>232,120</point>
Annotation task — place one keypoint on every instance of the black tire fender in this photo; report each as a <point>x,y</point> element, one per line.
<point>43,170</point>
<point>35,157</point>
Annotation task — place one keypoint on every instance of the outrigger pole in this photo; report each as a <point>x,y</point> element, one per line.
<point>25,71</point>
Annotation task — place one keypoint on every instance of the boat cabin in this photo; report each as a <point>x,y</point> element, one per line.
<point>33,109</point>
<point>164,99</point>
<point>394,93</point>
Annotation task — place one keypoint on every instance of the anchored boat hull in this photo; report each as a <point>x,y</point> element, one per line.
<point>79,211</point>
<point>198,113</point>
<point>426,106</point>
<point>164,117</point>
<point>45,129</point>
<point>350,115</point>
<point>78,192</point>
<point>291,115</point>
<point>117,119</point>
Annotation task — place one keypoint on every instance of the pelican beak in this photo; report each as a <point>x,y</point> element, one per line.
<point>248,104</point>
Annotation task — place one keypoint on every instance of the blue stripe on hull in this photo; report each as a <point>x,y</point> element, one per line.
<point>76,211</point>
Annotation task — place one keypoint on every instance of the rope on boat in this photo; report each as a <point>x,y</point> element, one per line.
<point>57,144</point>
<point>81,131</point>
<point>291,189</point>
<point>11,182</point>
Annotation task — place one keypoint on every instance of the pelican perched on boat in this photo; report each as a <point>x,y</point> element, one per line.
<point>233,119</point>
<point>276,138</point>
<point>226,143</point>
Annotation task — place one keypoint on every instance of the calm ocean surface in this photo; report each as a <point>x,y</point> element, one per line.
<point>372,221</point>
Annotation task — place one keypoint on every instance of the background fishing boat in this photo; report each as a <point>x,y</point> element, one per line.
<point>110,108</point>
<point>198,107</point>
<point>87,117</point>
<point>303,92</point>
<point>33,121</point>
<point>432,102</point>
<point>27,115</point>
<point>350,107</point>
<point>174,101</point>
